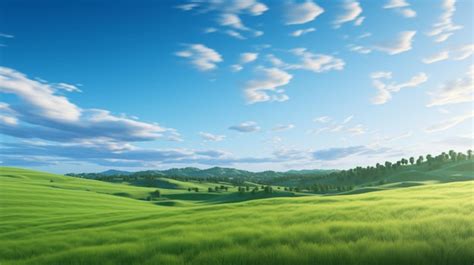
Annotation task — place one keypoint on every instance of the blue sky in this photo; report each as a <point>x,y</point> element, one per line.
<point>257,85</point>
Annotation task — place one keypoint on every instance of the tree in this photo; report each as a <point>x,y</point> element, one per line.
<point>452,155</point>
<point>156,194</point>
<point>429,159</point>
<point>412,160</point>
<point>210,189</point>
<point>419,161</point>
<point>469,154</point>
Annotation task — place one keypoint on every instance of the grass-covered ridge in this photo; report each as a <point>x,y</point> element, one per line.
<point>76,221</point>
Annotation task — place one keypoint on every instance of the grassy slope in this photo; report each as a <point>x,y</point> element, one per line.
<point>73,224</point>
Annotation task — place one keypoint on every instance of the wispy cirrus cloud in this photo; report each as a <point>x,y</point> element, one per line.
<point>228,14</point>
<point>359,49</point>
<point>445,27</point>
<point>334,126</point>
<point>245,58</point>
<point>456,91</point>
<point>209,137</point>
<point>457,54</point>
<point>352,12</point>
<point>301,32</point>
<point>402,43</point>
<point>267,86</point>
<point>447,124</point>
<point>314,62</point>
<point>301,13</point>
<point>385,90</point>
<point>283,127</point>
<point>402,7</point>
<point>201,57</point>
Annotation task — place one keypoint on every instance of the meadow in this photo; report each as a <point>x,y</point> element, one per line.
<point>53,219</point>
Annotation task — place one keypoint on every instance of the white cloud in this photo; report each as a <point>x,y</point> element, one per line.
<point>283,127</point>
<point>359,49</point>
<point>46,115</point>
<point>463,52</point>
<point>338,126</point>
<point>229,14</point>
<point>39,97</point>
<point>245,58</point>
<point>457,91</point>
<point>396,4</point>
<point>236,68</point>
<point>445,27</point>
<point>202,57</point>
<point>357,130</point>
<point>265,88</point>
<point>275,61</point>
<point>385,90</point>
<point>246,127</point>
<point>359,21</point>
<point>210,30</point>
<point>401,6</point>
<point>248,57</point>
<point>234,34</point>
<point>458,54</point>
<point>317,63</point>
<point>364,35</point>
<point>352,10</point>
<point>407,12</point>
<point>444,55</point>
<point>347,119</point>
<point>302,13</point>
<point>403,43</point>
<point>446,124</point>
<point>211,137</point>
<point>301,32</point>
<point>231,20</point>
<point>67,87</point>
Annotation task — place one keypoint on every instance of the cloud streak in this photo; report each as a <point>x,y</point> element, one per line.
<point>201,57</point>
<point>402,43</point>
<point>352,12</point>
<point>385,90</point>
<point>246,127</point>
<point>456,91</point>
<point>447,124</point>
<point>266,87</point>
<point>445,27</point>
<point>301,13</point>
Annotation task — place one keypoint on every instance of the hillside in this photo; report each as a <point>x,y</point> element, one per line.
<point>79,221</point>
<point>440,169</point>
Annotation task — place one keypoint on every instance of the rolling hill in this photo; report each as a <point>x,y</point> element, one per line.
<point>53,219</point>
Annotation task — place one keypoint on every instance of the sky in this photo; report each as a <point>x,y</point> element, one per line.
<point>90,85</point>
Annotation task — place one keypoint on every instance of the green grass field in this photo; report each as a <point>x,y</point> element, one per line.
<point>52,219</point>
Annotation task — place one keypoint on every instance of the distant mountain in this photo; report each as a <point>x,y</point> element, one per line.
<point>113,172</point>
<point>214,172</point>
